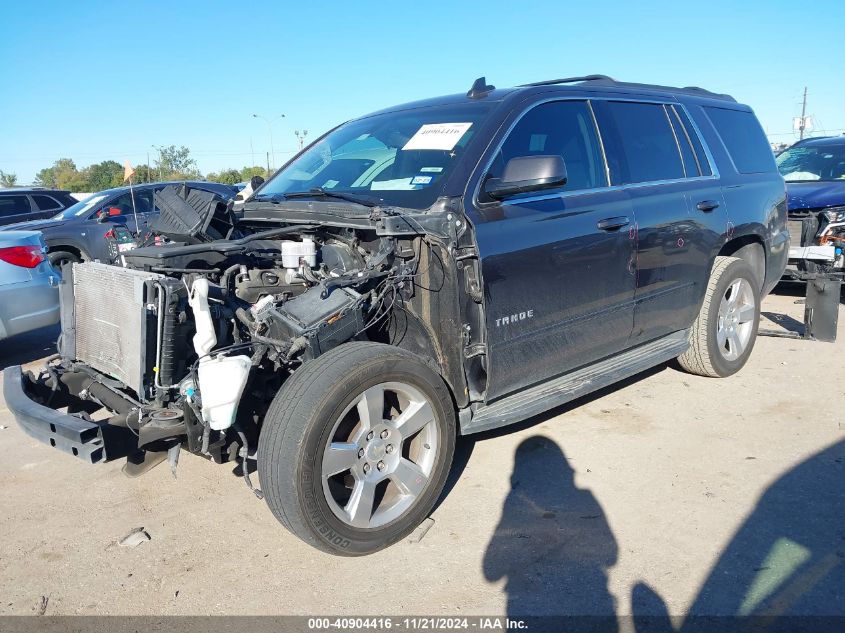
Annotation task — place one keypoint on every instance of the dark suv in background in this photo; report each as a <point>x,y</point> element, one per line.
<point>78,233</point>
<point>21,205</point>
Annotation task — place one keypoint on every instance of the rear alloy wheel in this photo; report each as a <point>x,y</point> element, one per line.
<point>723,335</point>
<point>356,448</point>
<point>737,314</point>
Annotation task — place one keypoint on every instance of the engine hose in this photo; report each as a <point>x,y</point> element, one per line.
<point>309,275</point>
<point>206,430</point>
<point>54,377</point>
<point>206,435</point>
<point>224,280</point>
<point>245,317</point>
<point>245,466</point>
<point>128,420</point>
<point>349,280</point>
<point>78,382</point>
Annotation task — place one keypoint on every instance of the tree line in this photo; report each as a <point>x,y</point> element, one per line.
<point>173,163</point>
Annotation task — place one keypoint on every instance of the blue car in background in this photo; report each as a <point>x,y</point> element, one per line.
<point>814,170</point>
<point>79,232</point>
<point>29,296</point>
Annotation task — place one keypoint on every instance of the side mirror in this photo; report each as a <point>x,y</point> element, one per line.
<point>528,173</point>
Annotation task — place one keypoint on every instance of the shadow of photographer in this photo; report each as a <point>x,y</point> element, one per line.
<point>553,543</point>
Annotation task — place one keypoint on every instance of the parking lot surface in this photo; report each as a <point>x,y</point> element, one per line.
<point>668,493</point>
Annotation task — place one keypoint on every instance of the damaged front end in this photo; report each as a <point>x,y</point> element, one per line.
<point>186,346</point>
<point>817,240</point>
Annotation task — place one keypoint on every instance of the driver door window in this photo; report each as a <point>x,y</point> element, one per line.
<point>562,128</point>
<point>121,208</point>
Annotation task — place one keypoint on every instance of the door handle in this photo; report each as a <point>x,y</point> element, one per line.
<point>707,205</point>
<point>612,224</point>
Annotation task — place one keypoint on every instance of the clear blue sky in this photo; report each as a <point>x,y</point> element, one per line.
<point>93,81</point>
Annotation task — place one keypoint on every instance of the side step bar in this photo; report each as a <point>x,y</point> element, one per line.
<point>548,395</point>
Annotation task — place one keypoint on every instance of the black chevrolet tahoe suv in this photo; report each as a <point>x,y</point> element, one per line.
<point>438,268</point>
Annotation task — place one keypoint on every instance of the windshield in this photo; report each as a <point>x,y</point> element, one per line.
<point>812,163</point>
<point>399,158</point>
<point>80,208</point>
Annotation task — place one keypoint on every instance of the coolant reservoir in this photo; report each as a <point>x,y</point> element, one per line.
<point>222,381</point>
<point>292,252</point>
<point>205,339</point>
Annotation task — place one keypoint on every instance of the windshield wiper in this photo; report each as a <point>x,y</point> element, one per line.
<point>265,197</point>
<point>326,193</point>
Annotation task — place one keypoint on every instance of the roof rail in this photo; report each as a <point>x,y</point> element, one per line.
<point>570,80</point>
<point>608,81</point>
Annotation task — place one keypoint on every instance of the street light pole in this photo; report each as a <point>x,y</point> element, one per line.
<point>803,116</point>
<point>269,123</point>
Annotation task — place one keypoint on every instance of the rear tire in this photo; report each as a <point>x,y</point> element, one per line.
<point>356,448</point>
<point>723,335</point>
<point>58,259</point>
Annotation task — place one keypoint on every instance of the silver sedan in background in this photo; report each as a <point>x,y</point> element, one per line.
<point>29,296</point>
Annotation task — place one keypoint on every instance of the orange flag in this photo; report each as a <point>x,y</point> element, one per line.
<point>128,171</point>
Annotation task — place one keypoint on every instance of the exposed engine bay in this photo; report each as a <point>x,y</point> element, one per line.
<point>186,344</point>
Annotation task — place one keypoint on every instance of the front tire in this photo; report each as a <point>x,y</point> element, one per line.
<point>723,335</point>
<point>356,448</point>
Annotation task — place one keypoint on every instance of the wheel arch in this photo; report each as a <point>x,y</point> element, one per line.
<point>408,331</point>
<point>70,248</point>
<point>429,323</point>
<point>750,248</point>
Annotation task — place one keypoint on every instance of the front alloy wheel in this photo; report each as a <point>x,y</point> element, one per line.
<point>356,447</point>
<point>381,455</point>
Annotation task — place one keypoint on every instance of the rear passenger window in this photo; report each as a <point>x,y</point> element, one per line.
<point>639,143</point>
<point>744,139</point>
<point>563,128</point>
<point>700,154</point>
<point>691,167</point>
<point>46,203</point>
<point>13,205</point>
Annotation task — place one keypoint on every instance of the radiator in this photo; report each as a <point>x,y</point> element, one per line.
<point>110,312</point>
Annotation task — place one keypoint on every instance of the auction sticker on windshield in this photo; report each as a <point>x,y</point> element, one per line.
<point>437,136</point>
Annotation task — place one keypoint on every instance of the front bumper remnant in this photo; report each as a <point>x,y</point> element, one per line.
<point>88,440</point>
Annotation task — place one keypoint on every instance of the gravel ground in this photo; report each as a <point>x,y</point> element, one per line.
<point>670,493</point>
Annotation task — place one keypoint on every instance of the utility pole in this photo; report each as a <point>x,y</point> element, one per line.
<point>268,164</point>
<point>803,123</point>
<point>160,160</point>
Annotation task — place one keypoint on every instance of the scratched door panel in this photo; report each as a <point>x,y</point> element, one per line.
<point>675,243</point>
<point>558,290</point>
